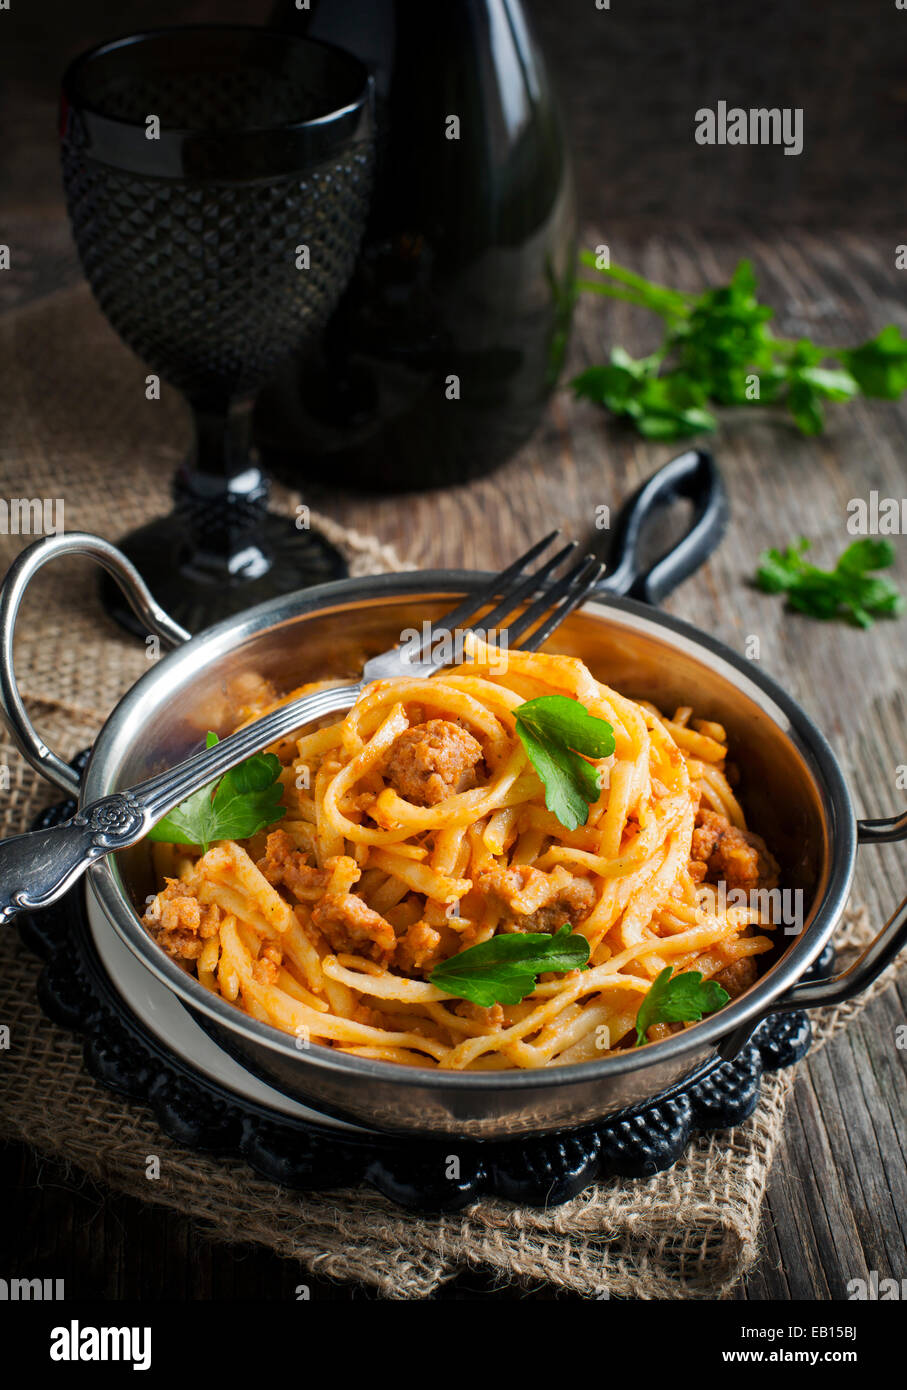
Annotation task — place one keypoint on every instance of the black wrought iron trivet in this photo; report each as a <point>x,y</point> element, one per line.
<point>118,1050</point>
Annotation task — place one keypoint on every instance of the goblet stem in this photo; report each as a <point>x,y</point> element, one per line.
<point>223,439</point>
<point>221,550</point>
<point>221,496</point>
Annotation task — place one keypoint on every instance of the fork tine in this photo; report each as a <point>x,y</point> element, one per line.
<point>526,586</point>
<point>473,603</point>
<point>545,601</point>
<point>558,602</point>
<point>542,633</point>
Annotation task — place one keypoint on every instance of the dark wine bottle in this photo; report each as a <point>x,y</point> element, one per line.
<point>439,360</point>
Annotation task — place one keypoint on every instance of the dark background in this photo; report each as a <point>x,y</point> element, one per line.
<point>631,79</point>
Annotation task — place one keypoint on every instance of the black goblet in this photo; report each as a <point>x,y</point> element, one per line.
<point>218,181</point>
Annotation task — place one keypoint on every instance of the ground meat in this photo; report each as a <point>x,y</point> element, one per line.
<point>490,1018</point>
<point>284,864</point>
<point>432,761</point>
<point>351,925</point>
<point>372,1018</point>
<point>567,902</point>
<point>417,948</point>
<point>179,923</point>
<point>738,976</point>
<point>266,968</point>
<point>721,853</point>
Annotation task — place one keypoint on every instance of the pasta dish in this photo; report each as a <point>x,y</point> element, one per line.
<point>418,827</point>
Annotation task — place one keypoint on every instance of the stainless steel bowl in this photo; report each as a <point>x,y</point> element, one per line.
<point>794,792</point>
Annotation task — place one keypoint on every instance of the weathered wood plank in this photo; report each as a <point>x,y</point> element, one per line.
<point>836,1199</point>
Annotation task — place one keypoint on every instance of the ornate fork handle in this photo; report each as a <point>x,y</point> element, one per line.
<point>36,869</point>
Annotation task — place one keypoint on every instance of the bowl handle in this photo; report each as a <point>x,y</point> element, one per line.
<point>18,577</point>
<point>694,476</point>
<point>867,967</point>
<point>878,954</point>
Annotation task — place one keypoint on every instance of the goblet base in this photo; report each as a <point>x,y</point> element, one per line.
<point>199,589</point>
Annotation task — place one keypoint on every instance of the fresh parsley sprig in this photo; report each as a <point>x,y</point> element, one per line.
<point>678,999</point>
<point>718,350</point>
<point>560,734</point>
<point>506,968</point>
<point>850,590</point>
<point>244,801</point>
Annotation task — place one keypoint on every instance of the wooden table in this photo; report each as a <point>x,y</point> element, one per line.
<point>837,1201</point>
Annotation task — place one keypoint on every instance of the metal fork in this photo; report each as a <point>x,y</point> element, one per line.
<point>37,868</point>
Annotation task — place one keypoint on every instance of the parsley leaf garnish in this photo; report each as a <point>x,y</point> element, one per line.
<point>506,968</point>
<point>849,590</point>
<point>718,349</point>
<point>661,407</point>
<point>244,801</point>
<point>555,731</point>
<point>678,999</point>
<point>880,366</point>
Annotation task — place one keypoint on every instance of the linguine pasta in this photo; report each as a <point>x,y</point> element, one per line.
<point>416,827</point>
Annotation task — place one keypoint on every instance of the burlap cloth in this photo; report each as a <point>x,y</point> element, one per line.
<point>74,424</point>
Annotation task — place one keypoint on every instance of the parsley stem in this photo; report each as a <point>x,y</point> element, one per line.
<point>652,296</point>
<point>613,292</point>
